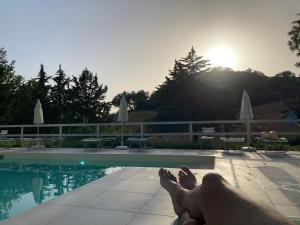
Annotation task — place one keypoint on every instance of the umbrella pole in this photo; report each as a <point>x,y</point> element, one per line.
<point>38,134</point>
<point>248,133</point>
<point>122,144</point>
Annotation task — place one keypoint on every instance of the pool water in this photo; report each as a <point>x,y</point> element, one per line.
<point>24,186</point>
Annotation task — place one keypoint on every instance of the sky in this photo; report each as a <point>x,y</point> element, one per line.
<point>131,44</point>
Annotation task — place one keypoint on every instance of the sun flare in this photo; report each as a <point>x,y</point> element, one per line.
<point>221,56</point>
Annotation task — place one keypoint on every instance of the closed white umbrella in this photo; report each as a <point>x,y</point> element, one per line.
<point>246,114</point>
<point>123,118</point>
<point>246,109</point>
<point>123,113</point>
<point>38,117</point>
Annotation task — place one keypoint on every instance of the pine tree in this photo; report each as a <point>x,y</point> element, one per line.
<point>42,86</point>
<point>58,95</point>
<point>88,98</point>
<point>193,63</point>
<point>294,42</point>
<point>176,98</point>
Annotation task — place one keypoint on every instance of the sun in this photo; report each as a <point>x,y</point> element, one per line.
<point>221,56</point>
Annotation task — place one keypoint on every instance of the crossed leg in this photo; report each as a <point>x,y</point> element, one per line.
<point>216,202</point>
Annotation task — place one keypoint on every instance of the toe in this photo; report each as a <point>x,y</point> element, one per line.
<point>181,173</point>
<point>162,172</point>
<point>186,170</point>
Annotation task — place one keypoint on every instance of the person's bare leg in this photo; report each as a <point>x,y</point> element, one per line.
<point>220,203</point>
<point>216,202</point>
<point>178,194</point>
<point>187,179</point>
<point>169,182</point>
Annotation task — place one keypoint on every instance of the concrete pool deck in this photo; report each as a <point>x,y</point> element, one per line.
<point>133,196</point>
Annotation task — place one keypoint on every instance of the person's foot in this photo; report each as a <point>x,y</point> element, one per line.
<point>187,179</point>
<point>169,182</point>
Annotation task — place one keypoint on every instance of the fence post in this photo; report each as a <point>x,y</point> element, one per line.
<point>98,130</point>
<point>142,130</point>
<point>191,132</point>
<point>22,132</point>
<point>60,131</point>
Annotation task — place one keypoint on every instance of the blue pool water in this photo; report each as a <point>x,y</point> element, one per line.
<point>24,186</point>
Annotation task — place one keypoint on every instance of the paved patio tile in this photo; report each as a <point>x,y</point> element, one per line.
<point>139,186</point>
<point>146,174</point>
<point>280,197</point>
<point>90,216</point>
<point>141,219</point>
<point>124,201</point>
<point>159,205</point>
<point>41,215</point>
<point>74,198</point>
<point>289,210</point>
<point>125,173</point>
<point>98,186</point>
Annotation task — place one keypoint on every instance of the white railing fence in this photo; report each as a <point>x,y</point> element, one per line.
<point>188,129</point>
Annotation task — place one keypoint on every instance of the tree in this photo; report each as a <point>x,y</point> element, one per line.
<point>58,95</point>
<point>42,88</point>
<point>294,42</point>
<point>9,85</point>
<point>24,102</point>
<point>87,98</point>
<point>193,63</point>
<point>136,101</point>
<point>179,97</point>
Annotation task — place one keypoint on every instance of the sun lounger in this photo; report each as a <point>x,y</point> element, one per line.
<point>207,139</point>
<point>142,142</point>
<point>100,141</point>
<point>55,142</point>
<point>105,140</point>
<point>232,140</point>
<point>90,140</point>
<point>270,143</point>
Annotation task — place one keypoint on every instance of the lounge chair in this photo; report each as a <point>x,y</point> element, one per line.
<point>270,143</point>
<point>207,138</point>
<point>100,141</point>
<point>232,140</point>
<point>90,140</point>
<point>142,142</point>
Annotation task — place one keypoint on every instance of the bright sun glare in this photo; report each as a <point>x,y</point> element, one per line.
<point>221,56</point>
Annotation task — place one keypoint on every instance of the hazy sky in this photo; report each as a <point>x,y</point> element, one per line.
<point>131,44</point>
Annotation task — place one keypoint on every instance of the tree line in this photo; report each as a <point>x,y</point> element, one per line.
<point>193,90</point>
<point>67,100</point>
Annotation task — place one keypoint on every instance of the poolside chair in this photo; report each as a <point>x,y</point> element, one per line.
<point>208,138</point>
<point>227,141</point>
<point>141,141</point>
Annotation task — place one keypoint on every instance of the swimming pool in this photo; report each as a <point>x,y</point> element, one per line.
<point>25,186</point>
<point>27,180</point>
